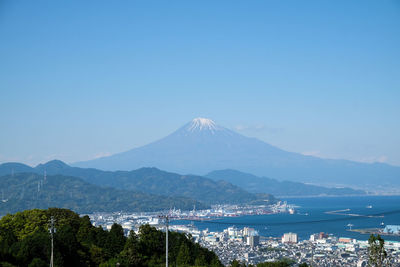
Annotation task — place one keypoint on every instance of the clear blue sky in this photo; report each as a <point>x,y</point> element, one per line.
<point>80,79</point>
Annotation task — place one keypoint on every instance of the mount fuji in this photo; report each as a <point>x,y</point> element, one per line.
<point>202,146</point>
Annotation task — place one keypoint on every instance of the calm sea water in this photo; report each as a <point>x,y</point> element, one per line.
<point>304,225</point>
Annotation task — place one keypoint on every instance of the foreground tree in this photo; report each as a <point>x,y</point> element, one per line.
<point>116,240</point>
<point>183,258</point>
<point>376,251</point>
<point>236,263</point>
<point>25,241</point>
<point>131,254</point>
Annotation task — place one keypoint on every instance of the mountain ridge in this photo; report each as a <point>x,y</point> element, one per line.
<point>143,179</point>
<point>255,184</point>
<point>23,191</point>
<point>204,150</point>
<point>150,181</point>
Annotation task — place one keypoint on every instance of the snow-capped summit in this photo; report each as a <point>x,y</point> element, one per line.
<point>201,146</point>
<point>199,124</point>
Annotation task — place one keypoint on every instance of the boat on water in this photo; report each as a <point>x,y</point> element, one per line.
<point>2,197</point>
<point>369,207</point>
<point>292,211</point>
<point>350,226</point>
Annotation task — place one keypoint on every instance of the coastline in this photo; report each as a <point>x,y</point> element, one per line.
<point>338,196</point>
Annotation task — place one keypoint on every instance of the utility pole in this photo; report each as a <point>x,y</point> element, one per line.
<point>166,217</point>
<point>52,231</point>
<point>166,241</point>
<point>312,254</point>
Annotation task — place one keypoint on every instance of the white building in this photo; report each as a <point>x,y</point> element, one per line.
<point>313,237</point>
<point>289,238</point>
<point>247,231</point>
<point>233,232</point>
<point>253,240</point>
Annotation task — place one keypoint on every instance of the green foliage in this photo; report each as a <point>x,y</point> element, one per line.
<point>131,253</point>
<point>115,241</point>
<point>37,262</point>
<point>78,243</point>
<point>110,263</point>
<point>24,223</point>
<point>236,263</point>
<point>36,245</point>
<point>7,264</point>
<point>200,260</point>
<point>376,251</point>
<point>151,181</point>
<point>183,258</point>
<point>76,194</point>
<point>304,265</point>
<point>97,255</point>
<point>7,239</point>
<point>68,247</point>
<point>85,234</point>
<point>152,243</point>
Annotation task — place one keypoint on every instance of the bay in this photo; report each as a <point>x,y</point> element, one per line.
<point>311,217</point>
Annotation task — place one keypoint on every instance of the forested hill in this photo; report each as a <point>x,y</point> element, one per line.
<point>25,241</point>
<point>29,190</point>
<point>148,180</point>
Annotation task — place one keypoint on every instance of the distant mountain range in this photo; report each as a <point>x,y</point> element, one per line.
<point>227,186</point>
<point>201,146</point>
<point>87,190</point>
<point>255,184</point>
<point>147,180</point>
<point>22,191</point>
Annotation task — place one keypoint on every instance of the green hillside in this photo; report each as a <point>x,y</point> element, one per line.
<point>28,190</point>
<point>148,180</point>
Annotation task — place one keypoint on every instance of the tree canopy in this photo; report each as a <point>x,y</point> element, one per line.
<point>25,241</point>
<point>376,251</point>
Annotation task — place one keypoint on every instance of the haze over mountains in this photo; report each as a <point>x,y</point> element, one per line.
<point>202,146</point>
<point>226,186</point>
<point>238,170</point>
<point>85,190</point>
<point>255,184</point>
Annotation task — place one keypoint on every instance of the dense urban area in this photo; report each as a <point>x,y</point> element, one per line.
<point>245,245</point>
